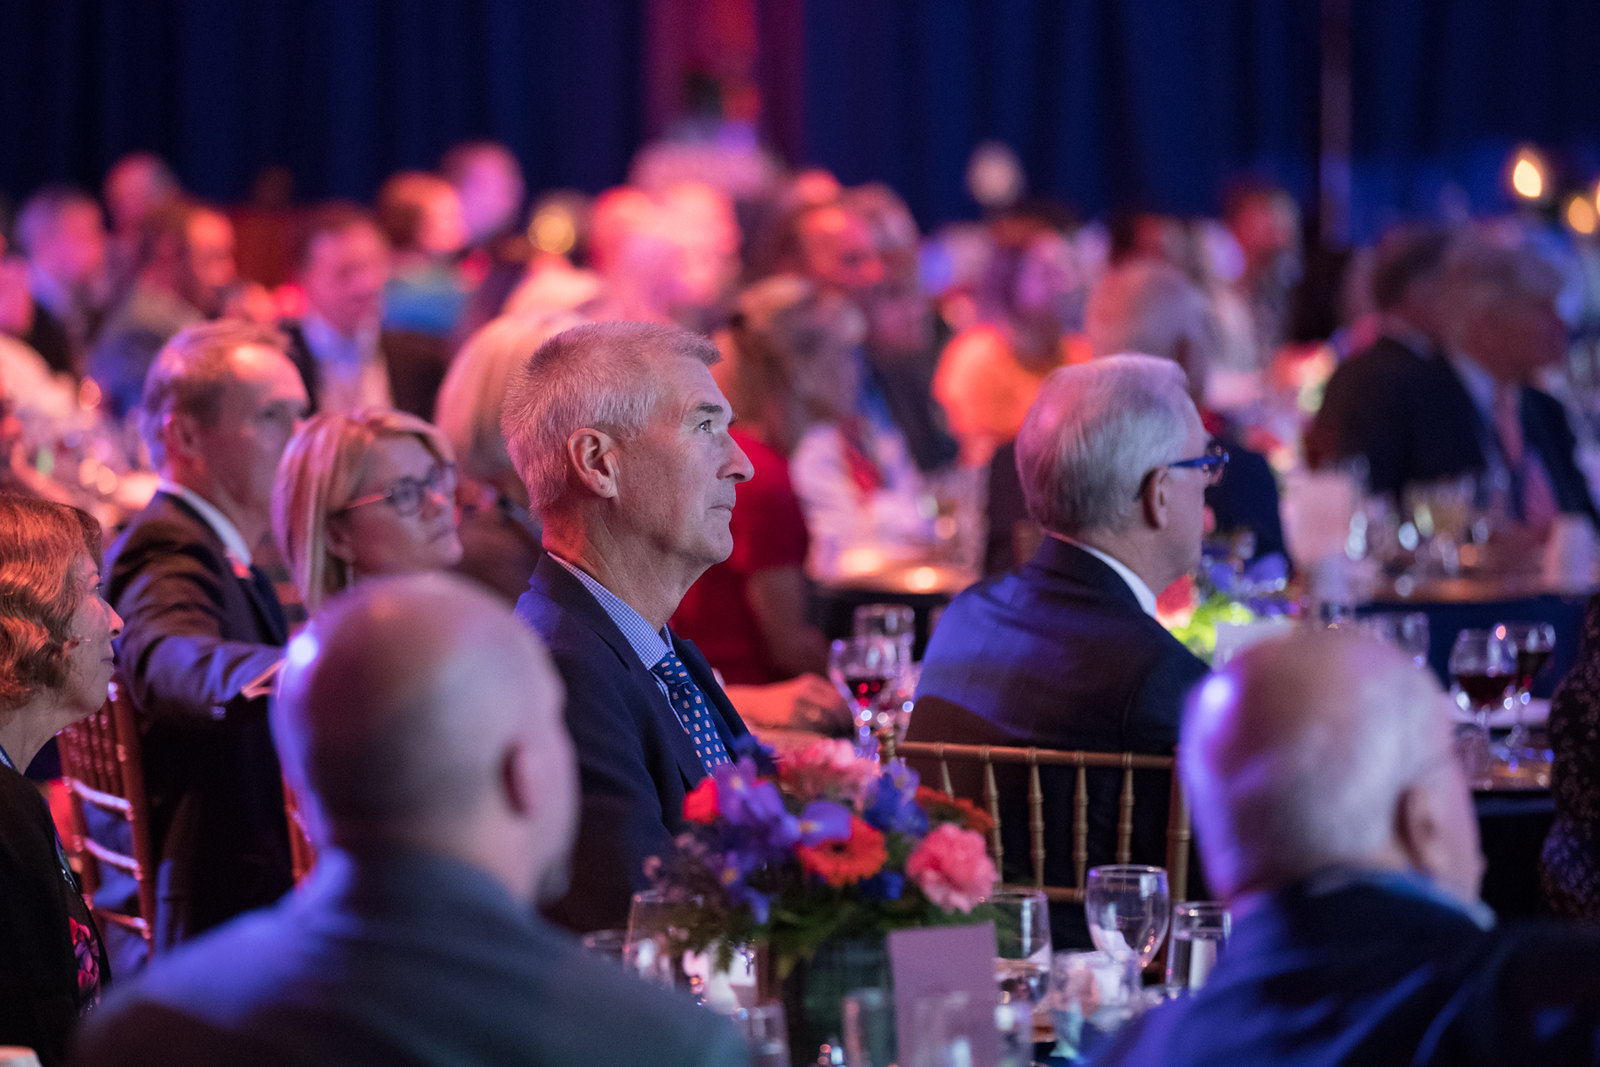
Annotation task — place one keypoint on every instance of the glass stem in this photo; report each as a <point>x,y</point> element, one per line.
<point>1131,981</point>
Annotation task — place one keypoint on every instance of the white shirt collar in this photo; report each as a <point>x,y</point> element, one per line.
<point>224,528</point>
<point>1141,591</point>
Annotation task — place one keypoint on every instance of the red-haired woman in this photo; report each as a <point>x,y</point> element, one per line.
<point>55,664</point>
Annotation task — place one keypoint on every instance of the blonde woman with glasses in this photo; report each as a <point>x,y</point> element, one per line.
<point>364,494</point>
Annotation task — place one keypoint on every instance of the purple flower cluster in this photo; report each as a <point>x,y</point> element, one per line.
<point>758,829</point>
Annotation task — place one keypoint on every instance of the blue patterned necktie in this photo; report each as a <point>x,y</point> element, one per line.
<point>690,705</point>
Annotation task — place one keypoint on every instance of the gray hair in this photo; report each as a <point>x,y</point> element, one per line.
<point>1295,755</point>
<point>1092,435</point>
<point>1151,307</point>
<point>597,375</point>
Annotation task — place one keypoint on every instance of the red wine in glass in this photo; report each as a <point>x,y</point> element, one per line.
<point>865,689</point>
<point>1529,663</point>
<point>1486,690</point>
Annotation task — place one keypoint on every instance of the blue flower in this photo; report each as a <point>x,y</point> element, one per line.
<point>822,821</point>
<point>885,885</point>
<point>747,746</point>
<point>892,807</point>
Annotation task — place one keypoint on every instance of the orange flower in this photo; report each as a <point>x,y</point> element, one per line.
<point>941,807</point>
<point>701,803</point>
<point>840,863</point>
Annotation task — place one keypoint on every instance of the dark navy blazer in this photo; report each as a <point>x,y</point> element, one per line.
<point>635,762</point>
<point>1058,654</point>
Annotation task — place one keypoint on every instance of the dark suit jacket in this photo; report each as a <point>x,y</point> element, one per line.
<point>1412,419</point>
<point>1058,654</point>
<point>635,762</point>
<point>1370,976</point>
<point>403,958</point>
<point>416,364</point>
<point>194,634</point>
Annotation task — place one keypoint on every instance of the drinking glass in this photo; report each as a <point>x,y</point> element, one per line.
<point>1200,929</point>
<point>1086,1001</point>
<point>868,670</point>
<point>1022,943</point>
<point>1532,644</point>
<point>870,1038</point>
<point>1405,630</point>
<point>763,1027</point>
<point>611,944</point>
<point>1022,961</point>
<point>1483,667</point>
<point>949,1029</point>
<point>655,944</point>
<point>1128,911</point>
<point>894,621</point>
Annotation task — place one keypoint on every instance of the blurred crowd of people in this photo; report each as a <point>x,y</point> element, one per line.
<point>880,375</point>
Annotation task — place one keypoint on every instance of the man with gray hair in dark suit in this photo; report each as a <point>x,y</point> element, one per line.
<point>420,724</point>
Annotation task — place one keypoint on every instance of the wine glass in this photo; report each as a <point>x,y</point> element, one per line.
<point>1405,630</point>
<point>1128,910</point>
<point>1483,667</point>
<point>1532,644</point>
<point>867,669</point>
<point>1022,957</point>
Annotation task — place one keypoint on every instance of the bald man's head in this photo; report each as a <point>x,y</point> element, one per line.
<point>417,710</point>
<point>1320,749</point>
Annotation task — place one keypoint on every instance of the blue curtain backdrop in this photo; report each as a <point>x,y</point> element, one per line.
<point>1108,102</point>
<point>341,91</point>
<point>1446,90</point>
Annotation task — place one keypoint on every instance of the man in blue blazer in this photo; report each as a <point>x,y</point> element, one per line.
<point>621,436</point>
<point>1065,652</point>
<point>1335,821</point>
<point>421,726</point>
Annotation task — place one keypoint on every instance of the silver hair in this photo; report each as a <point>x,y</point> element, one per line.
<point>597,375</point>
<point>1149,306</point>
<point>1092,435</point>
<point>1283,783</point>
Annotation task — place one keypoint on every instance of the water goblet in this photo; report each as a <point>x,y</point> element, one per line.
<point>1128,910</point>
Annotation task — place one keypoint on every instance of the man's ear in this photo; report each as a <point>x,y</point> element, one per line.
<point>592,456</point>
<point>519,777</point>
<point>180,434</point>
<point>1155,499</point>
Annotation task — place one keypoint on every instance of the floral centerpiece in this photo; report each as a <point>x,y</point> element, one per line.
<point>820,850</point>
<point>1225,592</point>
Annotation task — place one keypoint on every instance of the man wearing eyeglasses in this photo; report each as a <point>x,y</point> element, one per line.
<point>1065,652</point>
<point>204,627</point>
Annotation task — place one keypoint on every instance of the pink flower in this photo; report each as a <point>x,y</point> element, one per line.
<point>826,769</point>
<point>952,867</point>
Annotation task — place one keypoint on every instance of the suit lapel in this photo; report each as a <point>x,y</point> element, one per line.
<point>567,591</point>
<point>270,618</point>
